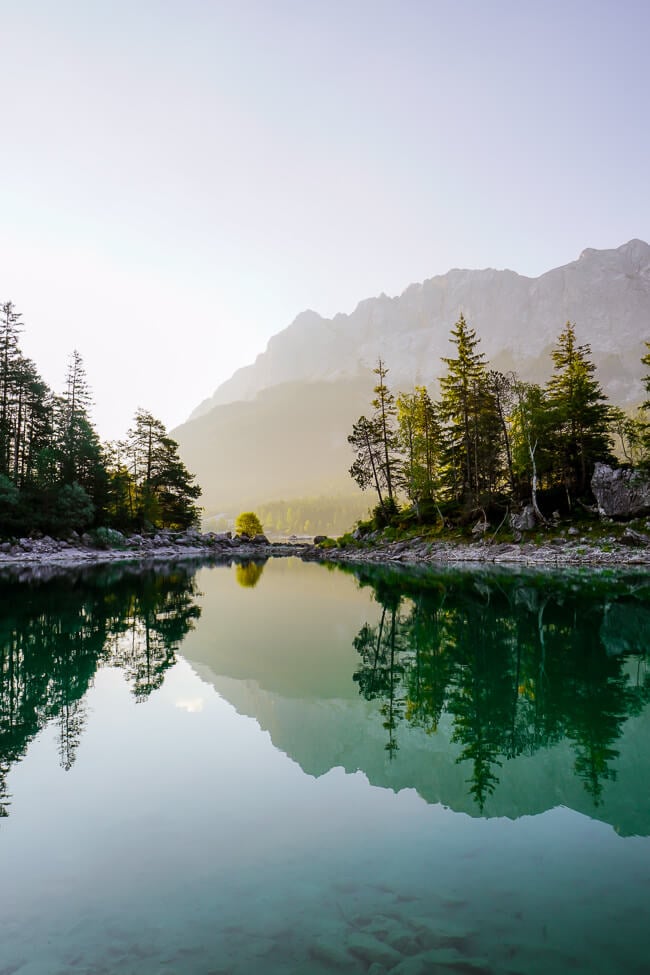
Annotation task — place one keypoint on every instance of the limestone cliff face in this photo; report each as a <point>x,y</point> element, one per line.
<point>606,293</point>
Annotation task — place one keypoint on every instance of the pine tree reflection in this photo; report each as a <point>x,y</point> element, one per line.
<point>55,636</point>
<point>517,663</point>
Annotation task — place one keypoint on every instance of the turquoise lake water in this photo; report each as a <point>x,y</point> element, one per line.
<point>294,768</point>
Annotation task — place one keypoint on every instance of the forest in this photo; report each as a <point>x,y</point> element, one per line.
<point>491,441</point>
<point>56,476</point>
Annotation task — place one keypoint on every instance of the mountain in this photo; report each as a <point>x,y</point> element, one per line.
<point>278,427</point>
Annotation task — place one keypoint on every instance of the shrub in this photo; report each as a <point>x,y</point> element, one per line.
<point>384,514</point>
<point>248,523</point>
<point>328,543</point>
<point>107,538</point>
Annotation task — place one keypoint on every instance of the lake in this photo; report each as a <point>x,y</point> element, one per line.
<point>298,768</point>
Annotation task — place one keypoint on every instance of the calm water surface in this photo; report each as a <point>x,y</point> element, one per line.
<point>295,769</point>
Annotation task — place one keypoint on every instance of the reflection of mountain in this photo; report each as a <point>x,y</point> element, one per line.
<point>483,692</point>
<point>55,634</point>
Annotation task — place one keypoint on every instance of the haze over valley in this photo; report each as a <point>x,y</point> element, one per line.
<point>277,430</point>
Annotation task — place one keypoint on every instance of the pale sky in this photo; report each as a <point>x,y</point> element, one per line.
<point>179,179</point>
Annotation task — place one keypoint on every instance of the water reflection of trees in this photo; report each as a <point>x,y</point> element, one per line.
<point>55,635</point>
<point>517,663</point>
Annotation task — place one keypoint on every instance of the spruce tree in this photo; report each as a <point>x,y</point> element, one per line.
<point>384,417</point>
<point>471,428</point>
<point>579,412</point>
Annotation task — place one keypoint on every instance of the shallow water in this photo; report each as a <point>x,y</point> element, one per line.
<point>286,768</point>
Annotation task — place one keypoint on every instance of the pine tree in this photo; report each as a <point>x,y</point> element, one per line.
<point>367,469</point>
<point>580,414</point>
<point>470,419</point>
<point>384,417</point>
<point>165,494</point>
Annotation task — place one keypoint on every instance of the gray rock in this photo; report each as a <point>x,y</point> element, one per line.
<point>573,531</point>
<point>319,538</point>
<point>620,493</point>
<point>630,537</point>
<point>480,527</point>
<point>523,521</point>
<point>259,539</point>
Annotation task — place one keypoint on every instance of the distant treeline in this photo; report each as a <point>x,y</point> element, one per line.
<point>55,474</point>
<point>303,516</point>
<point>491,438</point>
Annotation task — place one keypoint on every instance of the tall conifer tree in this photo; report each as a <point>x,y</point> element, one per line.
<point>579,411</point>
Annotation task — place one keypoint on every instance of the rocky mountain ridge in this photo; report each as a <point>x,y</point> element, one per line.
<point>278,428</point>
<point>606,293</point>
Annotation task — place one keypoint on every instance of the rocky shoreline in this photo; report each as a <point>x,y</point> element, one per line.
<point>631,549</point>
<point>162,547</point>
<point>557,552</point>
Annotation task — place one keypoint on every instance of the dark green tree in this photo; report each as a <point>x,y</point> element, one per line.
<point>165,492</point>
<point>579,414</point>
<point>471,426</point>
<point>368,469</point>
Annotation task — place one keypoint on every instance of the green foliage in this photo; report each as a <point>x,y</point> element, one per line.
<point>578,412</point>
<point>419,439</point>
<point>645,423</point>
<point>385,513</point>
<point>470,421</point>
<point>73,508</point>
<point>328,543</point>
<point>107,538</point>
<point>493,440</point>
<point>247,523</point>
<point>50,452</point>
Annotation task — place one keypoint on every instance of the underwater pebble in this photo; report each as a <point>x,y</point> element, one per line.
<point>370,950</point>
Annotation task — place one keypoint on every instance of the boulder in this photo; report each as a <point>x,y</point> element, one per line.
<point>259,539</point>
<point>318,539</point>
<point>620,493</point>
<point>630,537</point>
<point>523,521</point>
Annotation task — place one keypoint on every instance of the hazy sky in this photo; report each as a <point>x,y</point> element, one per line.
<point>178,179</point>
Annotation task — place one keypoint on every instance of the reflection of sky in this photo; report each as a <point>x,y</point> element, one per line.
<point>186,177</point>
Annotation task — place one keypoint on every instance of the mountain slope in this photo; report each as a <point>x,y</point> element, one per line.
<point>606,293</point>
<point>278,428</point>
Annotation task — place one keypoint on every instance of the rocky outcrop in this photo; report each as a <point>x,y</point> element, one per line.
<point>621,493</point>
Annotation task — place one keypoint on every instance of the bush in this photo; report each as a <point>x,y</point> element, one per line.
<point>107,538</point>
<point>248,523</point>
<point>328,543</point>
<point>384,514</point>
